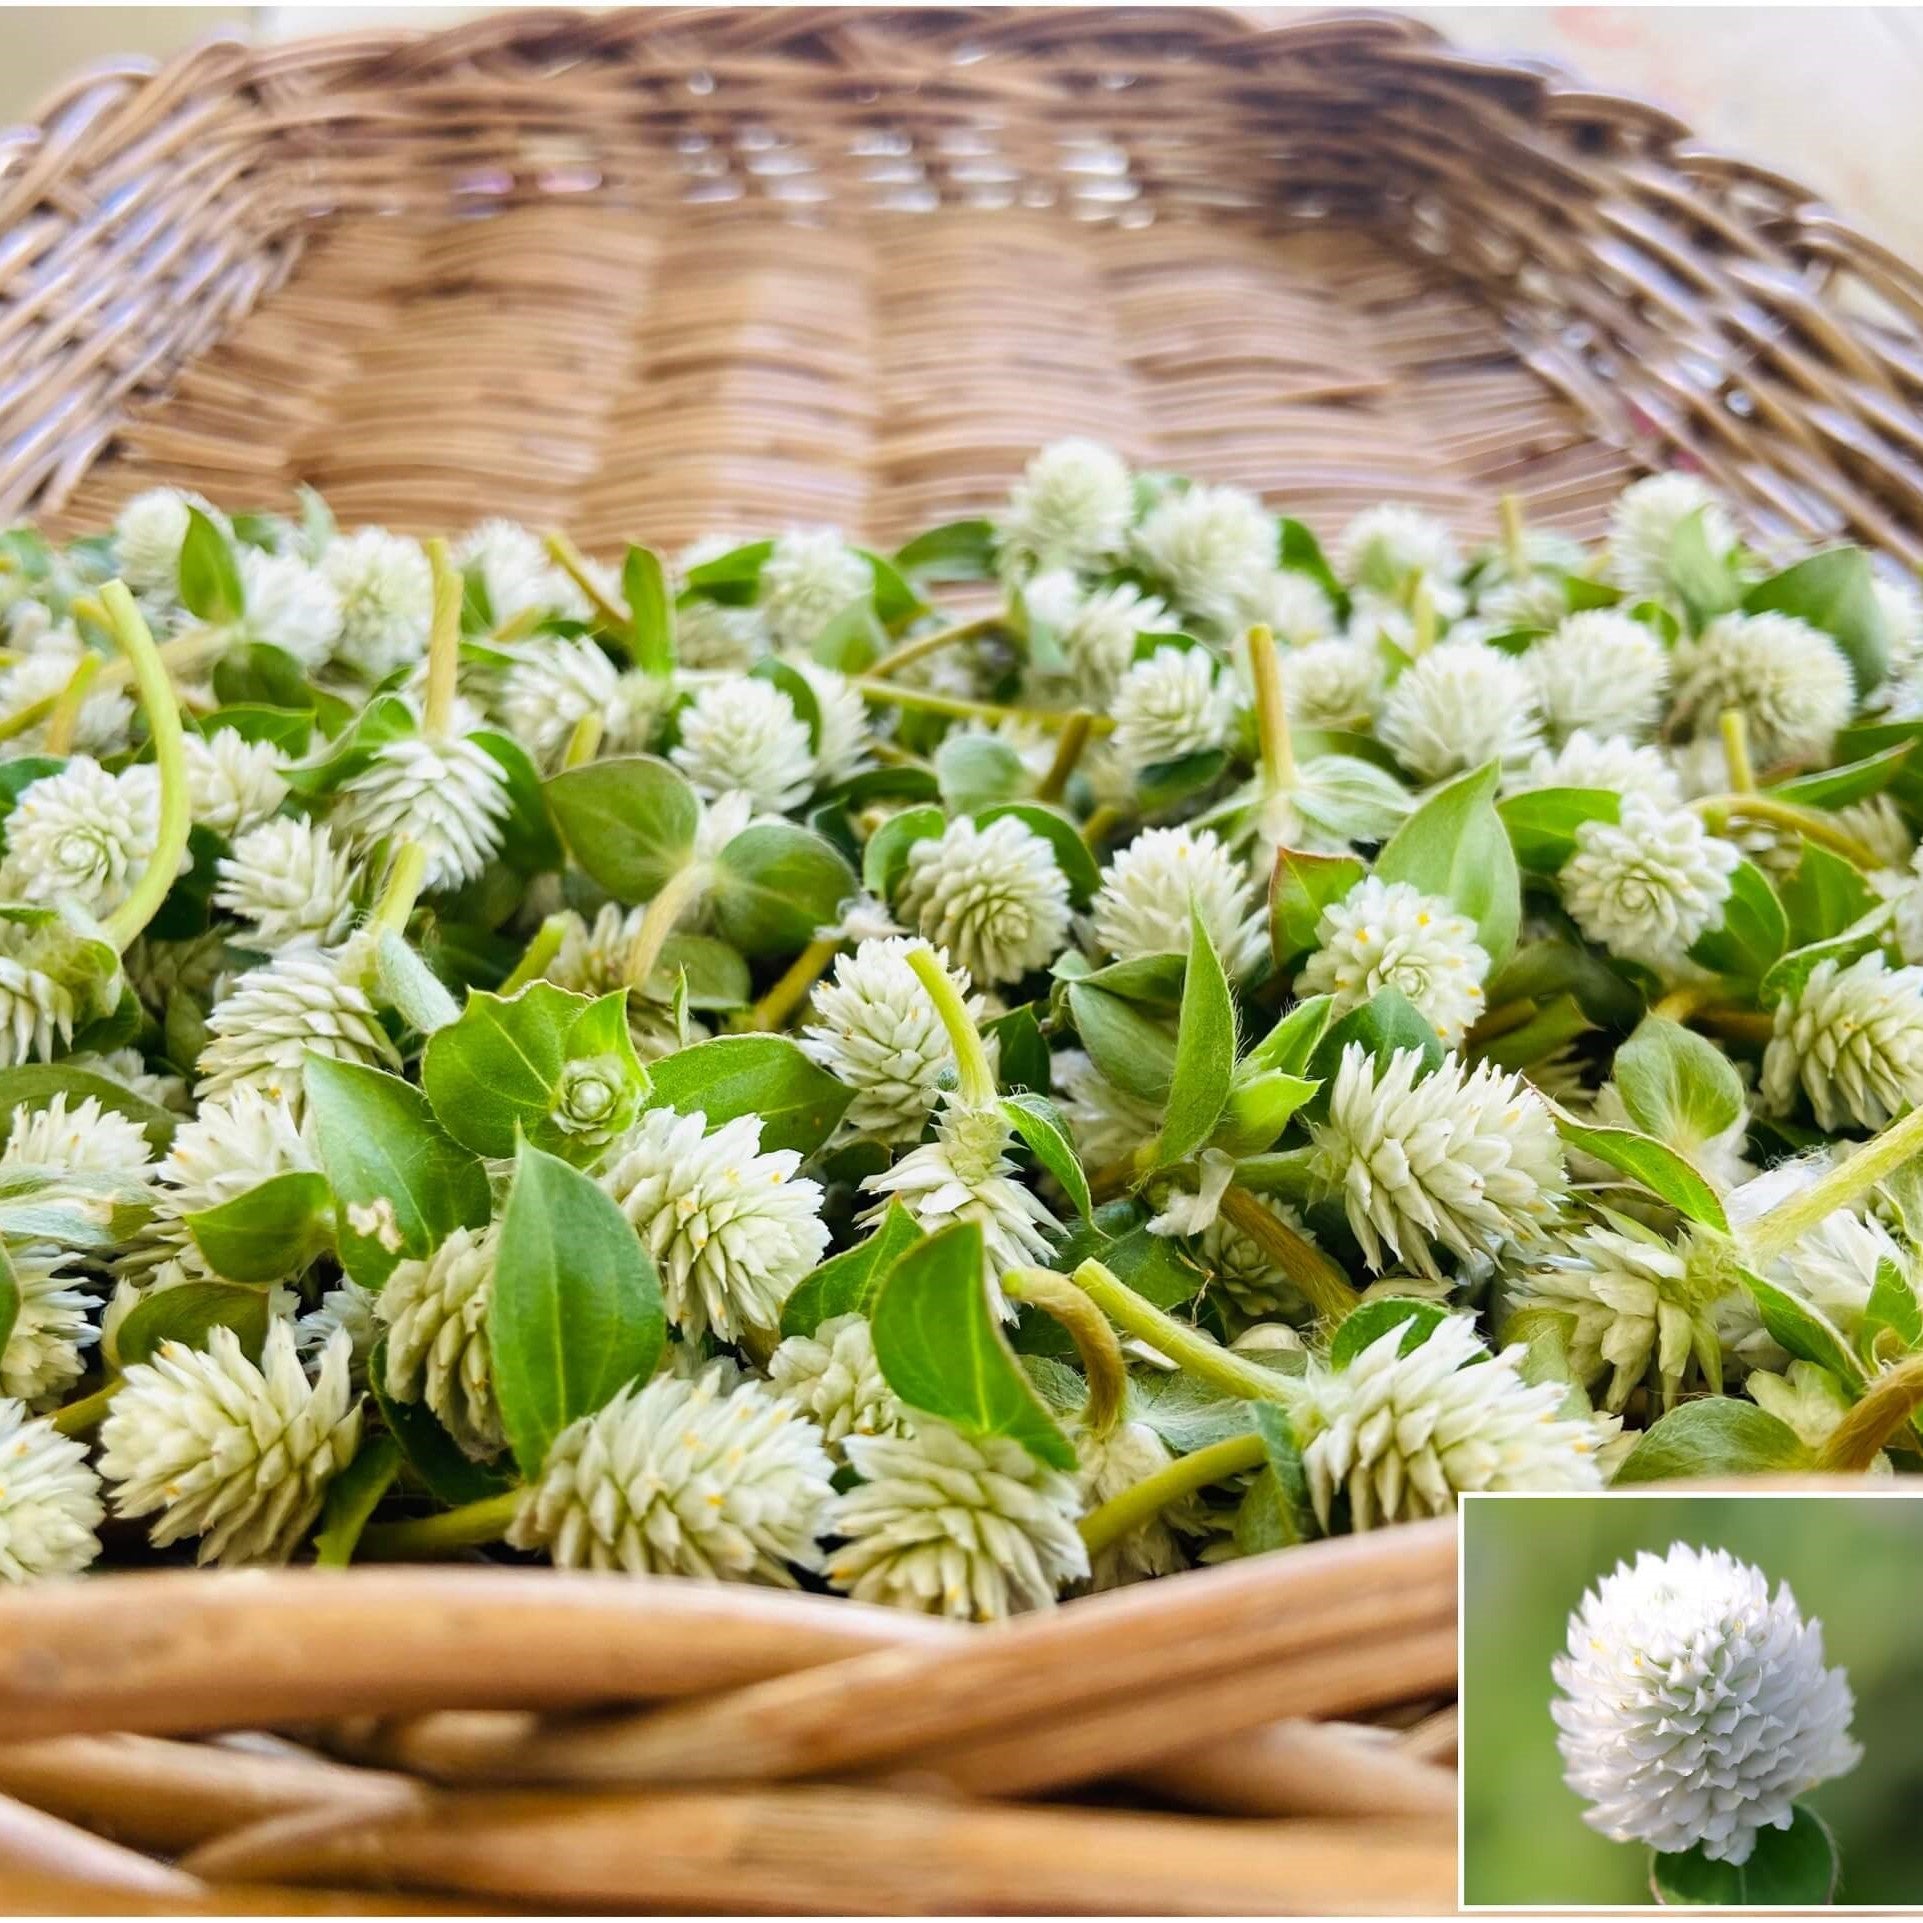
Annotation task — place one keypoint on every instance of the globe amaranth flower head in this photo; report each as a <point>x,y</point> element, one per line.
<point>49,1500</point>
<point>1171,705</point>
<point>148,535</point>
<point>436,1315</point>
<point>555,684</point>
<point>1071,508</point>
<point>233,784</point>
<point>1608,761</point>
<point>809,577</point>
<point>1097,631</point>
<point>833,1378</point>
<point>1601,671</point>
<point>994,898</point>
<point>1459,705</point>
<point>1851,1038</point>
<point>449,796</point>
<point>292,881</point>
<point>386,594</point>
<point>1643,526</point>
<point>289,605</point>
<point>1143,907</point>
<point>1695,1706</point>
<point>259,1034</point>
<point>1389,934</point>
<point>1650,884</point>
<point>1214,548</point>
<point>82,837</point>
<point>1382,546</point>
<point>1790,682</point>
<point>745,734</point>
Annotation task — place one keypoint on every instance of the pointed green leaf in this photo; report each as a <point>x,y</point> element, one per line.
<point>765,1075</point>
<point>1039,1123</point>
<point>1455,846</point>
<point>847,1284</point>
<point>187,1313</point>
<point>1204,1052</point>
<point>629,821</point>
<point>210,587</point>
<point>1715,1436</point>
<point>1302,886</point>
<point>274,1229</point>
<point>1659,1169</point>
<point>352,1498</point>
<point>644,586</point>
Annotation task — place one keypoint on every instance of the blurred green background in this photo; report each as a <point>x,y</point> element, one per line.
<point>1855,1562</point>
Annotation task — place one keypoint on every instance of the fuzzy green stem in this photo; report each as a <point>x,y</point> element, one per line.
<point>886,695</point>
<point>30,716</point>
<point>787,994</point>
<point>567,557</point>
<point>538,953</point>
<point>977,1087</point>
<point>77,1418</point>
<point>1088,1328</point>
<point>923,645</point>
<point>1681,1003</point>
<point>471,1526</point>
<point>663,916</point>
<point>1515,540</point>
<point>1068,751</point>
<point>1889,1403</point>
<point>1422,617</point>
<point>1122,1514</point>
<point>1788,1222</point>
<point>406,872</point>
<point>585,742</point>
<point>1328,1290</point>
<point>443,642</point>
<point>1734,725</point>
<point>1095,828</point>
<point>170,760</point>
<point>1811,823</point>
<point>1189,1349</point>
<point>1271,713</point>
<point>65,718</point>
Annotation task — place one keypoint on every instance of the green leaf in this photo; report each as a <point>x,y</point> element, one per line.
<point>1132,1047</point>
<point>210,587</point>
<point>1291,1043</point>
<point>941,1349</point>
<point>1804,1330</point>
<point>1204,1052</point>
<point>644,586</point>
<point>1825,896</point>
<point>896,603</point>
<point>1714,1436</point>
<point>273,1230</point>
<point>352,1498</point>
<point>630,822</point>
<point>1786,977</point>
<point>9,1296</point>
<point>1705,580</point>
<point>1022,1057</point>
<point>1835,591</point>
<point>1542,822</point>
<point>1302,886</point>
<point>1298,549</point>
<point>1754,933</point>
<point>493,1073</point>
<point>776,885</point>
<point>976,769</point>
<point>886,855</point>
<point>765,1075</point>
<point>576,1311</point>
<point>1795,1869</point>
<point>1893,1306</point>
<point>1072,855</point>
<point>1373,1320</point>
<point>1038,1122</point>
<point>727,575</point>
<point>1554,1022</point>
<point>1259,1108</point>
<point>1847,784</point>
<point>33,1084</point>
<point>401,1183</point>
<point>431,1452</point>
<point>717,975</point>
<point>1153,1266</point>
<point>1295,1511</point>
<point>955,551</point>
<point>187,1313</point>
<point>1384,1025</point>
<point>1658,1168</point>
<point>1455,846</point>
<point>1675,1085</point>
<point>847,1284</point>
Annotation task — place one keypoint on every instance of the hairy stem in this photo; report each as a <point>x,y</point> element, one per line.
<point>1095,828</point>
<point>1329,1291</point>
<point>977,1087</point>
<point>567,557</point>
<point>1088,1328</point>
<point>65,718</point>
<point>1121,1514</point>
<point>787,994</point>
<point>468,1527</point>
<point>1271,713</point>
<point>1789,1221</point>
<point>924,645</point>
<point>443,642</point>
<point>1681,1003</point>
<point>538,953</point>
<point>1068,751</point>
<point>1811,823</point>
<point>406,872</point>
<point>1869,1428</point>
<point>1189,1349</point>
<point>1734,725</point>
<point>660,919</point>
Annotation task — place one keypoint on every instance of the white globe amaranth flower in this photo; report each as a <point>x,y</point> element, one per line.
<point>1111,1465</point>
<point>832,1377</point>
<point>731,1229</point>
<point>1852,1040</point>
<point>128,1067</point>
<point>231,1144</point>
<point>435,1312</point>
<point>36,1008</point>
<point>711,638</point>
<point>1215,550</point>
<point>49,1500</point>
<point>1389,934</point>
<point>1171,705</point>
<point>1147,891</point>
<point>1538,600</point>
<point>292,881</point>
<point>237,1454</point>
<point>349,1308</point>
<point>1333,684</point>
<point>954,1525</point>
<point>148,533</point>
<point>1602,672</point>
<point>52,1323</point>
<point>1469,1161</point>
<point>1806,1399</point>
<point>809,577</point>
<point>1608,761</point>
<point>686,1478</point>
<point>83,837</point>
<point>1649,886</point>
<point>1790,682</point>
<point>993,898</point>
<point>1242,1273</point>
<point>876,1032</point>
<point>259,1033</point>
<point>105,716</point>
<point>1382,546</point>
<point>1402,1436</point>
<point>1072,508</point>
<point>1297,610</point>
<point>555,684</point>
<point>841,747</point>
<point>1834,1267</point>
<point>233,784</point>
<point>76,1134</point>
<point>1107,1122</point>
<point>289,605</point>
<point>1458,706</point>
<point>448,796</point>
<point>1098,634</point>
<point>1695,1706</point>
<point>1643,525</point>
<point>386,591</point>
<point>744,734</point>
<point>520,577</point>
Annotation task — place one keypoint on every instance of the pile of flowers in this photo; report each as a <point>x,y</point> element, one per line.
<point>1110,1038</point>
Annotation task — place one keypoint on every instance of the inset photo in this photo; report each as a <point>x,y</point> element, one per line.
<point>1701,1700</point>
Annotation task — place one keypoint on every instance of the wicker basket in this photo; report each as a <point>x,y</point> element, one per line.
<point>663,274</point>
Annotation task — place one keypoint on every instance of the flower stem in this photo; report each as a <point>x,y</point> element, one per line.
<point>406,872</point>
<point>443,642</point>
<point>1095,828</point>
<point>1094,1339</point>
<point>170,759</point>
<point>1789,1221</point>
<point>1329,1291</point>
<point>1681,1003</point>
<point>468,1527</point>
<point>1886,1408</point>
<point>977,1087</point>
<point>1515,543</point>
<point>538,953</point>
<point>781,1001</point>
<point>924,645</point>
<point>1199,1355</point>
<point>663,915</point>
<point>1068,751</point>
<point>30,716</point>
<point>1422,616</point>
<point>1734,725</point>
<point>65,718</point>
<point>585,742</point>
<point>567,557</point>
<point>79,1417</point>
<point>1121,1514</point>
<point>1271,713</point>
<point>887,695</point>
<point>1811,823</point>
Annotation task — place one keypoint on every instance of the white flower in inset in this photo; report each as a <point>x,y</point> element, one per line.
<point>953,1525</point>
<point>1389,934</point>
<point>52,1323</point>
<point>1600,671</point>
<point>83,1136</point>
<point>235,1454</point>
<point>233,784</point>
<point>1789,681</point>
<point>289,879</point>
<point>730,1228</point>
<point>447,796</point>
<point>386,593</point>
<point>289,605</point>
<point>438,1353</point>
<point>556,684</point>
<point>1107,1122</point>
<point>1111,1465</point>
<point>1695,1706</point>
<point>1646,888</point>
<point>258,1035</point>
<point>1469,1161</point>
<point>49,1500</point>
<point>1852,1038</point>
<point>1171,705</point>
<point>1584,761</point>
<point>148,533</point>
<point>1333,684</point>
<point>832,1377</point>
<point>1215,548</point>
<point>876,1031</point>
<point>811,575</point>
<point>82,838</point>
<point>683,1478</point>
<point>1146,894</point>
<point>1643,525</point>
<point>101,726</point>
<point>1402,1436</point>
<point>744,734</point>
<point>1458,706</point>
<point>994,898</point>
<point>1384,545</point>
<point>1243,1272</point>
<point>1071,509</point>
